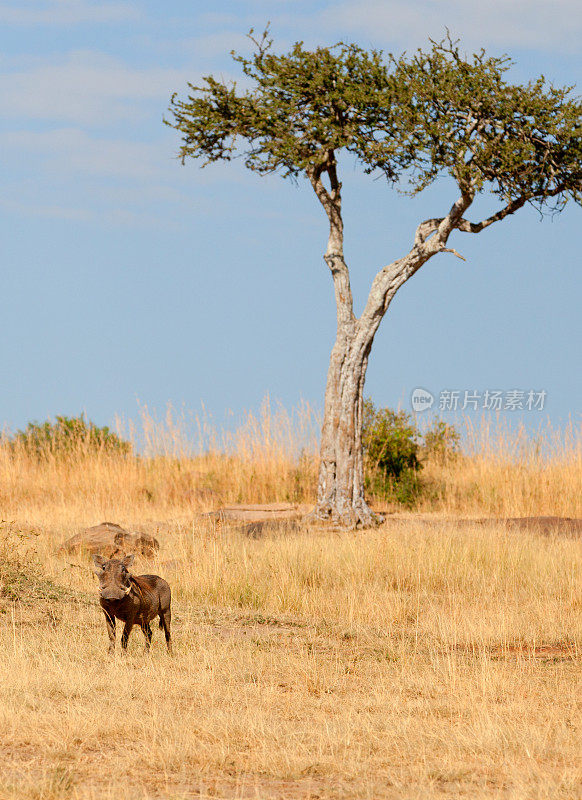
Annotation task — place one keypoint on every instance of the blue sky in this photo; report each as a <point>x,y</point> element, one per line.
<point>128,277</point>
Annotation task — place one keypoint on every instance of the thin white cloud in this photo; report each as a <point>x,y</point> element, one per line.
<point>220,18</point>
<point>29,206</point>
<point>84,180</point>
<point>70,150</point>
<point>65,12</point>
<point>68,173</point>
<point>87,88</point>
<point>210,53</point>
<point>213,45</point>
<point>532,24</point>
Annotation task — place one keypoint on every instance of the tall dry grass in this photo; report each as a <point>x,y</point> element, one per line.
<point>509,472</point>
<point>183,464</point>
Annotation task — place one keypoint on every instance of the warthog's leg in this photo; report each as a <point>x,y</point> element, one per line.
<point>126,631</point>
<point>110,622</point>
<point>147,632</point>
<point>165,621</point>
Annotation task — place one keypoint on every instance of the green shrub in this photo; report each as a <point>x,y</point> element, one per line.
<point>68,435</point>
<point>394,451</point>
<point>390,440</point>
<point>391,453</point>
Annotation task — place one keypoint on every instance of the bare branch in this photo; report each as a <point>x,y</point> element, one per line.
<point>476,227</point>
<point>429,226</point>
<point>333,179</point>
<point>263,44</point>
<point>454,252</point>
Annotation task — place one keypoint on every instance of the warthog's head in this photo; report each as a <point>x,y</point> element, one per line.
<point>114,580</point>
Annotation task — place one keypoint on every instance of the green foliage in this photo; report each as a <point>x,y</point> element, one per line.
<point>394,451</point>
<point>66,436</point>
<point>391,454</point>
<point>414,118</point>
<point>302,107</point>
<point>390,440</point>
<point>464,119</point>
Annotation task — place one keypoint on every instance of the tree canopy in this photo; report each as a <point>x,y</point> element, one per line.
<point>413,118</point>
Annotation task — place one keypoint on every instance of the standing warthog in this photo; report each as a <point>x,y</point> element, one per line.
<point>134,599</point>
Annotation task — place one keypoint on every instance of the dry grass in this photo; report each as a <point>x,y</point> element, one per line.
<point>407,662</point>
<point>508,472</point>
<point>185,467</point>
<point>188,466</point>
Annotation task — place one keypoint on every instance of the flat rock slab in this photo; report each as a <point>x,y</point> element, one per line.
<point>258,519</point>
<point>268,512</point>
<point>109,539</point>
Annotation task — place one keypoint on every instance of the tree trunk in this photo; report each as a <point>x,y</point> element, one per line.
<point>340,494</point>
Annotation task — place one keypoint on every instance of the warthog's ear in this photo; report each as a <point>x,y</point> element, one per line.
<point>98,562</point>
<point>128,561</point>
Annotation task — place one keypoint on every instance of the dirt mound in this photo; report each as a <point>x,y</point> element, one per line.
<point>109,539</point>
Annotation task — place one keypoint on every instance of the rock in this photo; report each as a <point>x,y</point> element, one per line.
<point>108,539</point>
<point>260,512</point>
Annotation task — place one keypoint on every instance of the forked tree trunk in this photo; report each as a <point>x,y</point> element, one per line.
<point>340,491</point>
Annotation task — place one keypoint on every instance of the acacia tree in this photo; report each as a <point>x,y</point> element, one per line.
<point>411,119</point>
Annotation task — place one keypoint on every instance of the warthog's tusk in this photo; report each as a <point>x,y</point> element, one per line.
<point>127,591</point>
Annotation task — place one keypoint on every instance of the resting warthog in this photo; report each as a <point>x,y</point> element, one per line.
<point>134,599</point>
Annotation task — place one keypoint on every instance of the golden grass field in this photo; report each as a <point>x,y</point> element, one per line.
<point>410,661</point>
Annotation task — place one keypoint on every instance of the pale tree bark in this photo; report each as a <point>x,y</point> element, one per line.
<point>340,493</point>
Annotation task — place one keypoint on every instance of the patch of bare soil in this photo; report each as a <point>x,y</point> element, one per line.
<point>566,526</point>
<point>256,520</point>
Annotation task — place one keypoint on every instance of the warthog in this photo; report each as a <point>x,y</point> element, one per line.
<point>134,599</point>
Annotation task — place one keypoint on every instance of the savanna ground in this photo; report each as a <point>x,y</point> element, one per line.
<point>411,661</point>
